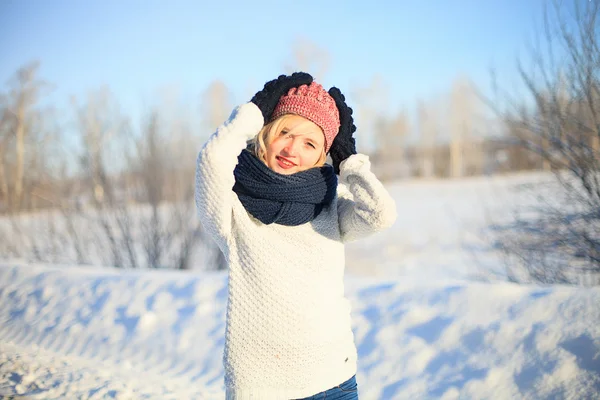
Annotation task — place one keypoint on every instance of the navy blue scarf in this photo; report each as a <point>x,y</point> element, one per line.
<point>283,199</point>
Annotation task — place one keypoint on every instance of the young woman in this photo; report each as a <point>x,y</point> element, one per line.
<point>276,210</point>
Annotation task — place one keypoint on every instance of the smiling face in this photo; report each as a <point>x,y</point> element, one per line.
<point>294,144</point>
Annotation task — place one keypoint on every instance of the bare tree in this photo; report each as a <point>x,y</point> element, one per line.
<point>130,202</point>
<point>428,131</point>
<point>21,129</point>
<point>168,229</point>
<point>101,127</point>
<point>4,144</point>
<point>103,130</point>
<point>463,146</point>
<point>370,102</point>
<point>24,96</point>
<point>560,121</point>
<point>215,104</point>
<point>390,134</point>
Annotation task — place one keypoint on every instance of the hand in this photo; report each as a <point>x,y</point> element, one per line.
<point>343,145</point>
<point>267,98</point>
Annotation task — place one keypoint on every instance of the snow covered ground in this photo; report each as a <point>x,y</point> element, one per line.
<point>423,326</point>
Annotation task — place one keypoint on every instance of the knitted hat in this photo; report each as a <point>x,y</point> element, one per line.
<point>315,104</point>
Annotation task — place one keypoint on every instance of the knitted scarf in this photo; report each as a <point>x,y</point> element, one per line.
<point>283,199</point>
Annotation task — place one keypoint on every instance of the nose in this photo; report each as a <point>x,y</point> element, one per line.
<point>291,147</point>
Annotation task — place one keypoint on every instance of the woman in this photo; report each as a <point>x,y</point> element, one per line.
<point>275,209</point>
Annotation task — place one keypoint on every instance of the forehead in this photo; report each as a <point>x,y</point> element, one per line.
<point>303,126</point>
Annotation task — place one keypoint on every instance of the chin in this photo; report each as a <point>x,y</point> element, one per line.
<point>284,171</point>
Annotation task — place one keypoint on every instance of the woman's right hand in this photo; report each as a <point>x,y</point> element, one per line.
<point>267,98</point>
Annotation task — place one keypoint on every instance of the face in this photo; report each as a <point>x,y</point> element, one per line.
<point>296,147</point>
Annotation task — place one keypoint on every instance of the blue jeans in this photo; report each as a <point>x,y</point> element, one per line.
<point>345,391</point>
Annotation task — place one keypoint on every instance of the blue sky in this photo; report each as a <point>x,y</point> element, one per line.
<point>136,47</point>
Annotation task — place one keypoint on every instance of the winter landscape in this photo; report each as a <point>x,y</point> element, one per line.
<point>430,320</point>
<point>482,119</point>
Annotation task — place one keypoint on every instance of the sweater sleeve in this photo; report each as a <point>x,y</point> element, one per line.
<point>214,170</point>
<point>364,205</point>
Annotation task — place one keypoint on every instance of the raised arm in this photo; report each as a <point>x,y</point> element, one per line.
<point>218,158</point>
<point>214,169</point>
<point>364,205</point>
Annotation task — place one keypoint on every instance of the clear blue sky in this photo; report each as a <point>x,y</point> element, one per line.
<point>136,47</point>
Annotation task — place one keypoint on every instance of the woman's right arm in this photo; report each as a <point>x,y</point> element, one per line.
<point>214,170</point>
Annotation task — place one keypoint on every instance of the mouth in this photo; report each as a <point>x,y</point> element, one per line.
<point>284,162</point>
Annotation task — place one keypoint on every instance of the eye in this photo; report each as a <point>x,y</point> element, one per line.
<point>311,145</point>
<point>284,131</point>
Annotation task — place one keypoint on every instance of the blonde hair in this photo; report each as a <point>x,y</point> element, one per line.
<point>259,144</point>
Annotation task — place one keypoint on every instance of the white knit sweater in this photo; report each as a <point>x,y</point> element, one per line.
<point>288,332</point>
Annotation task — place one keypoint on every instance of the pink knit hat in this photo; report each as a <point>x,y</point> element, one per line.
<point>315,104</point>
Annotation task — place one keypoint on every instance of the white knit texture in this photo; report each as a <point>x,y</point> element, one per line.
<point>288,332</point>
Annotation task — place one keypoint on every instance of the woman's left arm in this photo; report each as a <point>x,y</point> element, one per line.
<point>364,204</point>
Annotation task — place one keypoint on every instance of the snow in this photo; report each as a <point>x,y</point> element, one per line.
<point>425,324</point>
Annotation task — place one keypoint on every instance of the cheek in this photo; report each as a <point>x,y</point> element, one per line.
<point>272,149</point>
<point>310,158</point>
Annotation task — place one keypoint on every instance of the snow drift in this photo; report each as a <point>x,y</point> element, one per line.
<point>72,332</point>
